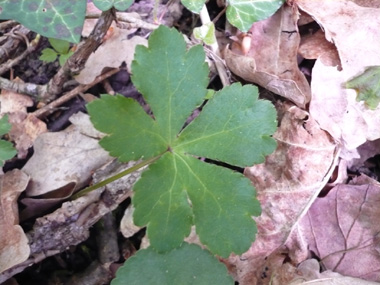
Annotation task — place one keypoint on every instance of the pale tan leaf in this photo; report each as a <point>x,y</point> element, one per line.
<point>272,59</point>
<point>316,46</point>
<point>112,53</point>
<point>63,158</point>
<point>14,246</point>
<point>287,184</point>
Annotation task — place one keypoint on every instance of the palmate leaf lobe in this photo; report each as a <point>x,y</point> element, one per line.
<point>179,190</point>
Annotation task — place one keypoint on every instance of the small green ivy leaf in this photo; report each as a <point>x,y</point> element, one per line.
<point>243,13</point>
<point>206,33</point>
<point>178,190</point>
<point>7,150</point>
<point>52,19</point>
<point>367,85</point>
<point>120,5</point>
<point>48,55</point>
<point>188,264</point>
<point>194,6</point>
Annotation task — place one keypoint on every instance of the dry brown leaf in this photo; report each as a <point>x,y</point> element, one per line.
<point>287,183</point>
<point>341,227</point>
<point>62,159</point>
<point>112,53</point>
<point>353,29</point>
<point>25,127</point>
<point>316,46</point>
<point>14,247</point>
<point>272,60</point>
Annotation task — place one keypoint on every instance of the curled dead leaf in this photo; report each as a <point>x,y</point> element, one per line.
<point>272,60</point>
<point>14,247</point>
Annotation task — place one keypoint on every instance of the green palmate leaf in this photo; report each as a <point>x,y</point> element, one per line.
<point>243,13</point>
<point>179,190</point>
<point>105,5</point>
<point>7,150</point>
<point>188,264</point>
<point>367,85</point>
<point>48,55</point>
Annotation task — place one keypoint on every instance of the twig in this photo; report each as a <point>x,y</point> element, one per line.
<point>220,67</point>
<point>78,60</point>
<point>12,44</point>
<point>31,89</point>
<point>48,109</point>
<point>31,47</point>
<point>132,21</point>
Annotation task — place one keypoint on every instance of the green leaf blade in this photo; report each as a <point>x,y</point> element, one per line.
<point>367,85</point>
<point>243,13</point>
<point>223,206</point>
<point>52,19</point>
<point>167,211</point>
<point>234,127</point>
<point>194,6</point>
<point>188,264</point>
<point>172,80</point>
<point>120,5</point>
<point>48,55</point>
<point>60,46</point>
<point>132,134</point>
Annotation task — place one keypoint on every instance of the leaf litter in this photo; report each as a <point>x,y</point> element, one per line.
<point>338,225</point>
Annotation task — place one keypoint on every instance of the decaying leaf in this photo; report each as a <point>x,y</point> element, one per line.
<point>272,59</point>
<point>316,46</point>
<point>287,184</point>
<point>63,159</point>
<point>111,53</point>
<point>25,127</point>
<point>343,225</point>
<point>353,29</point>
<point>14,246</point>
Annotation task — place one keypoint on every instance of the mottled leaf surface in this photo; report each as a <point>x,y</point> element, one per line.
<point>188,264</point>
<point>52,19</point>
<point>179,190</point>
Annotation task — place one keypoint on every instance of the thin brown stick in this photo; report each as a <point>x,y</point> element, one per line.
<point>48,109</point>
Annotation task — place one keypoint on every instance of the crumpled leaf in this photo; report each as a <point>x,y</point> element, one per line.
<point>7,150</point>
<point>25,127</point>
<point>342,226</point>
<point>107,56</point>
<point>334,107</point>
<point>309,271</point>
<point>14,247</point>
<point>188,264</point>
<point>178,190</point>
<point>367,86</point>
<point>63,159</point>
<point>52,19</point>
<point>272,59</point>
<point>316,46</point>
<point>287,184</point>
